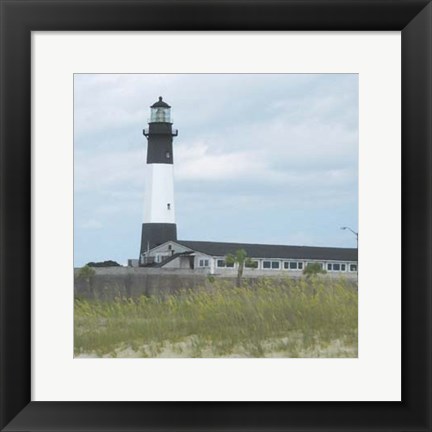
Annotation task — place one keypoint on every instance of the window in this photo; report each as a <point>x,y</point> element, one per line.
<point>329,267</point>
<point>251,264</point>
<point>336,267</point>
<point>230,264</point>
<point>220,263</point>
<point>160,257</point>
<point>293,265</point>
<point>343,267</point>
<point>160,115</point>
<point>203,262</point>
<point>353,267</point>
<point>271,265</point>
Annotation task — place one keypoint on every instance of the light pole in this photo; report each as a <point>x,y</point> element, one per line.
<point>355,233</point>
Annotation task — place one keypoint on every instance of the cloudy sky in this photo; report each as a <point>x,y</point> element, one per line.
<point>259,158</point>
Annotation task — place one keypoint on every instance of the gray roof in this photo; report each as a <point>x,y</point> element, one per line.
<point>273,251</point>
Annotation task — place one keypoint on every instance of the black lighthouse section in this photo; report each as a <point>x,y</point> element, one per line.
<point>154,234</point>
<point>160,143</point>
<point>160,134</point>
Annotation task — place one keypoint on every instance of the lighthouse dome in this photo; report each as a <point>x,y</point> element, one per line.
<point>160,112</point>
<point>160,104</point>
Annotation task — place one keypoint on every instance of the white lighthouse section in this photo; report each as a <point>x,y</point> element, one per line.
<point>159,194</point>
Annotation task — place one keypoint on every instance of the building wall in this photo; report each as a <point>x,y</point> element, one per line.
<point>280,267</point>
<point>168,247</point>
<point>166,250</point>
<point>204,262</point>
<point>181,262</point>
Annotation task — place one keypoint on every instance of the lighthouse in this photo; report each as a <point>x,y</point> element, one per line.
<point>159,224</point>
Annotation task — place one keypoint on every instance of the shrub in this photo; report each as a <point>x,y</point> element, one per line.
<point>313,269</point>
<point>108,263</point>
<point>85,272</point>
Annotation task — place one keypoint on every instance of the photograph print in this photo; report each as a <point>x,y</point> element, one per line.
<point>216,215</point>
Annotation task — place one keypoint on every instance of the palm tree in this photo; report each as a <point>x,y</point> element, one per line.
<point>240,257</point>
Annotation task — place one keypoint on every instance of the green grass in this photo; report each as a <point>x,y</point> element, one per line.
<point>274,318</point>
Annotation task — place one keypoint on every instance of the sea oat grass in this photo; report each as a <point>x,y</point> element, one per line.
<point>273,318</point>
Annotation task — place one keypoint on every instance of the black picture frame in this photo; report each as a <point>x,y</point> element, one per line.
<point>19,18</point>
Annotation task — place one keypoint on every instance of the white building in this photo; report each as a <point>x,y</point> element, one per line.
<point>209,257</point>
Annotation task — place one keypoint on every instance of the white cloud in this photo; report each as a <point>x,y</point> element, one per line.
<point>90,224</point>
<point>105,102</point>
<point>199,162</point>
<point>103,171</point>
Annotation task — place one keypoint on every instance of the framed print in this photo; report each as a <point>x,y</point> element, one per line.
<point>225,352</point>
<point>350,75</point>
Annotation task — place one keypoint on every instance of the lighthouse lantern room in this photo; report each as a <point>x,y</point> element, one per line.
<point>159,224</point>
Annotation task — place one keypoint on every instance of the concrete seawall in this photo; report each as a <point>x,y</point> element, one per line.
<point>109,283</point>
